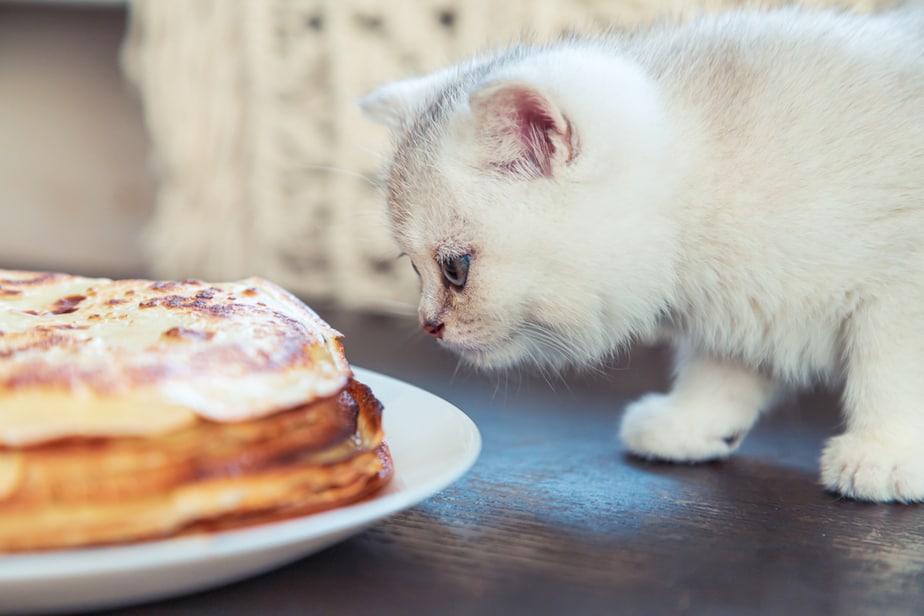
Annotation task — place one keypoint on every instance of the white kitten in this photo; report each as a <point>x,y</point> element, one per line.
<point>750,185</point>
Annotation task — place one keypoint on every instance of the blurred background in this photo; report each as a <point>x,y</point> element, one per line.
<point>220,138</point>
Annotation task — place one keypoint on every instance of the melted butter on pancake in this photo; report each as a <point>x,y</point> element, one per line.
<point>84,356</point>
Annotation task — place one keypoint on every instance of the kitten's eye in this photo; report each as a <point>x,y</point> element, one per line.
<point>416,271</point>
<point>455,270</point>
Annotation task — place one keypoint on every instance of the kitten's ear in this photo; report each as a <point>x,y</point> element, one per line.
<point>391,103</point>
<point>522,130</point>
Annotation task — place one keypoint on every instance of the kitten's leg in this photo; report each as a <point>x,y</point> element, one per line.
<point>880,457</point>
<point>710,408</point>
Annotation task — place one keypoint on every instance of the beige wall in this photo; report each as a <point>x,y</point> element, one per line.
<point>74,184</point>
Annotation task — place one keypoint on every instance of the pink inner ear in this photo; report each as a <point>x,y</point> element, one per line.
<point>522,127</point>
<point>536,127</point>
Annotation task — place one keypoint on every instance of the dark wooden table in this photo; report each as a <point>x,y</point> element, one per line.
<point>555,519</point>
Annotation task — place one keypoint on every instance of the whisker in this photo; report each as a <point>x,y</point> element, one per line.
<point>455,371</point>
<point>411,331</point>
<point>348,172</point>
<point>556,350</point>
<point>496,388</point>
<point>379,154</point>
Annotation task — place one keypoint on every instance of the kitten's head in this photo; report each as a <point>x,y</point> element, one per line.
<point>521,191</point>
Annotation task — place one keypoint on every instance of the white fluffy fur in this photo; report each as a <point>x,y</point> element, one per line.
<point>750,185</point>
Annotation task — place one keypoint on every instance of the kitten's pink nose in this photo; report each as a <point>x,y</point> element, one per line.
<point>434,329</point>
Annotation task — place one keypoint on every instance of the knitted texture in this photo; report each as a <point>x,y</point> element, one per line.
<point>264,162</point>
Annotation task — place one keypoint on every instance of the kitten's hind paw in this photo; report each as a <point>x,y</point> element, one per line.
<point>872,469</point>
<point>656,427</point>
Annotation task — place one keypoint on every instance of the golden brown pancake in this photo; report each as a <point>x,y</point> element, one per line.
<point>136,409</point>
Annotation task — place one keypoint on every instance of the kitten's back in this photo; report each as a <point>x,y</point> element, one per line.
<point>818,111</point>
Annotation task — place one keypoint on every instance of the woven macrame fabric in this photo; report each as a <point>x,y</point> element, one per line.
<point>261,155</point>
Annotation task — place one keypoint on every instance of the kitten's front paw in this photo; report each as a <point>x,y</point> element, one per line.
<point>872,469</point>
<point>656,427</point>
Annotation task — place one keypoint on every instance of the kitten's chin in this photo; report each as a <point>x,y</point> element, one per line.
<point>512,352</point>
<point>489,357</point>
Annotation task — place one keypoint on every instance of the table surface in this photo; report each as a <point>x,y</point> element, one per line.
<point>555,518</point>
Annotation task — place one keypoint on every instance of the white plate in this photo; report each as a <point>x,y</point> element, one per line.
<point>432,444</point>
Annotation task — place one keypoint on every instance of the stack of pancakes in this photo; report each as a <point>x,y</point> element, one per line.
<point>135,409</point>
